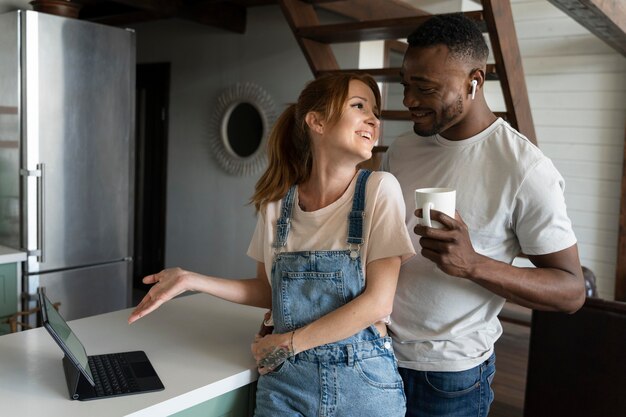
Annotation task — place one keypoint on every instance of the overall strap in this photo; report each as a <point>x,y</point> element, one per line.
<point>284,221</point>
<point>355,218</point>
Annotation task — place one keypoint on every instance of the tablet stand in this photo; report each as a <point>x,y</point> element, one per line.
<point>78,386</point>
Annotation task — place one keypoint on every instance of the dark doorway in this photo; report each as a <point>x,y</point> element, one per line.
<point>152,96</point>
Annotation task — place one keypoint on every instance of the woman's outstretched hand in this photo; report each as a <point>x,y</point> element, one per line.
<point>167,284</point>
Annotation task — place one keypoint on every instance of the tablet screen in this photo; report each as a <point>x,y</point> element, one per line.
<point>66,339</point>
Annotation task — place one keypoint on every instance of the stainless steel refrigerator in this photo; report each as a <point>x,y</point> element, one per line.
<point>67,100</point>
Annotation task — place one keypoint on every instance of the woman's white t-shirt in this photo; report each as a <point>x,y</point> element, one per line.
<point>384,230</point>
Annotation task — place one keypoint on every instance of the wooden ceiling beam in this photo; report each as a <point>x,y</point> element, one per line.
<point>226,15</point>
<point>253,3</point>
<point>604,18</point>
<point>122,19</point>
<point>355,9</point>
<point>166,8</point>
<point>369,10</point>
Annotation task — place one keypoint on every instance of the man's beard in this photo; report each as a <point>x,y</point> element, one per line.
<point>448,115</point>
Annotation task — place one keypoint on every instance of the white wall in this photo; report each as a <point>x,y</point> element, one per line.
<point>577,90</point>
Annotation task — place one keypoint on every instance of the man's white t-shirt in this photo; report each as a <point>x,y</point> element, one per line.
<point>510,196</point>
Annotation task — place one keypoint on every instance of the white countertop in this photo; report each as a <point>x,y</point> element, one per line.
<point>199,345</point>
<point>10,255</point>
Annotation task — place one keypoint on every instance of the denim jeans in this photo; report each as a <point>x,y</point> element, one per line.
<point>358,379</point>
<point>450,394</point>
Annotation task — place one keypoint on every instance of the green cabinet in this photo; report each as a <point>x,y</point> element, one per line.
<point>236,403</point>
<point>8,294</point>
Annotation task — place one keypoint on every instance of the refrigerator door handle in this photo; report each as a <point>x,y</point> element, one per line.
<point>40,211</point>
<point>39,173</point>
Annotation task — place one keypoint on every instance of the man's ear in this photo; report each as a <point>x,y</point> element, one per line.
<point>476,79</point>
<point>315,122</point>
<point>478,74</point>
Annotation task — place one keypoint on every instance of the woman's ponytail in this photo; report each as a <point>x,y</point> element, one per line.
<point>289,159</point>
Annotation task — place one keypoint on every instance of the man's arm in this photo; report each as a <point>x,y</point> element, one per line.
<point>555,284</point>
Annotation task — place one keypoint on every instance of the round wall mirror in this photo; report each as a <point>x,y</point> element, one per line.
<point>240,123</point>
<point>243,129</point>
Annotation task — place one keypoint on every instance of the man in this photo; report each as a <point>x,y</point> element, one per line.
<point>509,201</point>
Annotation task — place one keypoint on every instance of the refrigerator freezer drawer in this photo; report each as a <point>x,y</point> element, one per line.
<point>86,291</point>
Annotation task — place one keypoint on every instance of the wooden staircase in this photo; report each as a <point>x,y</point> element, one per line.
<point>495,19</point>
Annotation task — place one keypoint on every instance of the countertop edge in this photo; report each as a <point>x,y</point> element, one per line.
<point>198,396</point>
<point>10,255</point>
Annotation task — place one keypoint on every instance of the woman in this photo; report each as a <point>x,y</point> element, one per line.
<point>331,239</point>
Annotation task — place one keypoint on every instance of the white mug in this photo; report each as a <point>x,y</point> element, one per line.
<point>441,199</point>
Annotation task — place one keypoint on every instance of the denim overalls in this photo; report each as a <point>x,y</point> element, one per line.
<point>356,376</point>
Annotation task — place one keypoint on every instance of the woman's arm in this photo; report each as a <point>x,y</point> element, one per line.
<point>174,281</point>
<point>374,304</point>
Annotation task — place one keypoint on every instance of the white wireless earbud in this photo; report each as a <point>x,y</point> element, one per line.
<point>474,84</point>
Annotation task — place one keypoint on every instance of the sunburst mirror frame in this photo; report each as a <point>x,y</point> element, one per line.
<point>220,145</point>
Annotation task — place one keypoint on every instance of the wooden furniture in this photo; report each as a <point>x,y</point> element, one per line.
<point>21,318</point>
<point>576,363</point>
